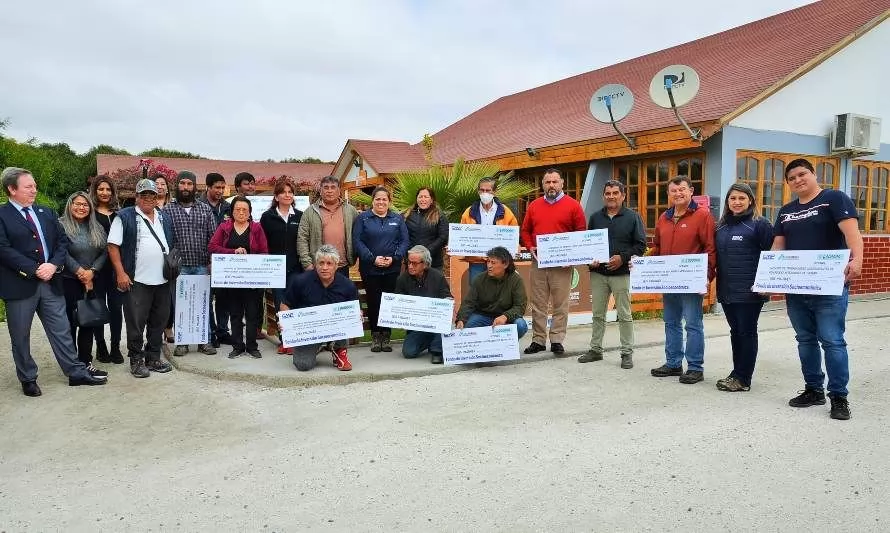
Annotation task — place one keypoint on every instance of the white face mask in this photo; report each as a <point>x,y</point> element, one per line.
<point>486,197</point>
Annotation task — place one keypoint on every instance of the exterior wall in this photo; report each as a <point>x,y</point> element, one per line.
<point>597,175</point>
<point>853,80</point>
<point>876,266</point>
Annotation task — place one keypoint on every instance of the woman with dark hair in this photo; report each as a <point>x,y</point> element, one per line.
<point>741,235</point>
<point>163,191</point>
<point>496,298</point>
<point>103,194</point>
<point>428,225</point>
<point>280,223</point>
<point>87,254</point>
<point>241,235</point>
<point>380,241</point>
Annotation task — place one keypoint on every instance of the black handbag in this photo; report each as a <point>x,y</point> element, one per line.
<point>91,312</point>
<point>172,259</point>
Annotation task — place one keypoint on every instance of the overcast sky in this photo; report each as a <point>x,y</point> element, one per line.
<point>291,78</point>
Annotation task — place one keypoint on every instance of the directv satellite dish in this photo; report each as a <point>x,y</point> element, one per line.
<point>673,87</point>
<point>611,103</point>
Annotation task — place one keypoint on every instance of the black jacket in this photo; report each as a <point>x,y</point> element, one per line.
<point>627,237</point>
<point>433,236</point>
<point>433,285</point>
<point>739,242</point>
<point>282,237</point>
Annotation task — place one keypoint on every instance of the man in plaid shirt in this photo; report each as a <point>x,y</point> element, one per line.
<point>193,226</point>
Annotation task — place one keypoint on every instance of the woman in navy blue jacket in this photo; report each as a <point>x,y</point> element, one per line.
<point>741,235</point>
<point>380,241</point>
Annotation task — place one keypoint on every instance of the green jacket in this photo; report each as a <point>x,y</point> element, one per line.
<point>493,297</point>
<point>309,233</point>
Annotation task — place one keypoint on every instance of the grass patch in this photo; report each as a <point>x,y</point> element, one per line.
<point>397,335</point>
<point>2,311</point>
<point>647,315</point>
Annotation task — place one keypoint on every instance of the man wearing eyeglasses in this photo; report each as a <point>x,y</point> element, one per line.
<point>421,280</point>
<point>627,238</point>
<point>33,249</point>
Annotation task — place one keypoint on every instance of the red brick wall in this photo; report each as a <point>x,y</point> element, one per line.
<point>876,266</point>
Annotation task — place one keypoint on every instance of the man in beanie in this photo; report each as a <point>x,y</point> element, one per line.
<point>193,226</point>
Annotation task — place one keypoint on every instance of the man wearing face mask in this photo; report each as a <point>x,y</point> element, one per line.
<point>193,226</point>
<point>555,212</point>
<point>488,210</point>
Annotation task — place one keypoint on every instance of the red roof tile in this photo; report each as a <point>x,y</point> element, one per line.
<point>735,66</point>
<point>389,157</point>
<point>201,167</point>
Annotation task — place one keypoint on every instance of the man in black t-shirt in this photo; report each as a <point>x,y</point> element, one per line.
<point>819,220</point>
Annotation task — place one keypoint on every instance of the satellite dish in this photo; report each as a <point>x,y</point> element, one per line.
<point>611,103</point>
<point>674,86</point>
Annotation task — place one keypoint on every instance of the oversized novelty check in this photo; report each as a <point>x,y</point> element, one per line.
<point>319,324</point>
<point>248,271</point>
<point>475,240</point>
<point>802,272</point>
<point>416,313</point>
<point>480,345</point>
<point>192,319</point>
<point>686,273</point>
<point>573,248</point>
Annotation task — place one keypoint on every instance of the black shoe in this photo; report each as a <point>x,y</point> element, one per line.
<point>557,349</point>
<point>807,398</point>
<point>840,408</point>
<point>436,358</point>
<point>692,377</point>
<point>255,354</point>
<point>235,353</point>
<point>665,371</point>
<point>116,356</point>
<point>30,388</point>
<point>95,372</point>
<point>534,347</point>
<point>161,367</point>
<point>86,380</point>
<point>138,368</point>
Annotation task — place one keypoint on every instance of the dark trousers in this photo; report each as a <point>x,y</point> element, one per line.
<point>219,316</point>
<point>243,305</point>
<point>146,310</point>
<point>82,337</point>
<point>742,319</point>
<point>375,286</point>
<point>105,287</point>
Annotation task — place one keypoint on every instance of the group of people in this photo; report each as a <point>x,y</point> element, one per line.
<point>98,250</point>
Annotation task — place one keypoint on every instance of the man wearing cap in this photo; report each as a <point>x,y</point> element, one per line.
<point>33,248</point>
<point>193,227</point>
<point>137,241</point>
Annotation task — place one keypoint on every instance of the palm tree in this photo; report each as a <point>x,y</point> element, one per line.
<point>455,187</point>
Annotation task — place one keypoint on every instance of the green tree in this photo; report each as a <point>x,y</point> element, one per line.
<point>314,160</point>
<point>166,152</point>
<point>455,187</point>
<point>88,165</point>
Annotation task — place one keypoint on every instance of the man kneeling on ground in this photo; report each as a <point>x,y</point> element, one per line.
<point>495,298</point>
<point>421,280</point>
<point>320,286</point>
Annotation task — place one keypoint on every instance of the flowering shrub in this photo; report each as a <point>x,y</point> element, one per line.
<point>125,178</point>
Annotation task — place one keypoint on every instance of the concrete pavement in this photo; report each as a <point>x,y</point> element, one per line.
<point>275,370</point>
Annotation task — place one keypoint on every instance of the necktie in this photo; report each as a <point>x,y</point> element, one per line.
<point>30,220</point>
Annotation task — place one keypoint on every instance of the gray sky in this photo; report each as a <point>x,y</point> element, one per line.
<point>292,78</point>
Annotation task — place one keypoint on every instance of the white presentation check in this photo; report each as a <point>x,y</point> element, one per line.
<point>475,240</point>
<point>319,324</point>
<point>416,313</point>
<point>802,272</point>
<point>573,248</point>
<point>480,345</point>
<point>248,271</point>
<point>666,274</point>
<point>192,320</point>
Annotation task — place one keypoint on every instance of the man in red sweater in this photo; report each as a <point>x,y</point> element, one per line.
<point>685,228</point>
<point>555,212</point>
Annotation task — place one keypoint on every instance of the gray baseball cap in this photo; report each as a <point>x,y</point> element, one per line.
<point>146,185</point>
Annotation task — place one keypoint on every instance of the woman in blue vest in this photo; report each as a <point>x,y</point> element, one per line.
<point>741,235</point>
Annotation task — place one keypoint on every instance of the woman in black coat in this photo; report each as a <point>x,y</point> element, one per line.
<point>741,235</point>
<point>428,226</point>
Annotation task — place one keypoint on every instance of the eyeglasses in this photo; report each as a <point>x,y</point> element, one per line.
<point>415,263</point>
<point>80,204</point>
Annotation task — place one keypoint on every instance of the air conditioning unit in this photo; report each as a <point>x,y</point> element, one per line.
<point>854,133</point>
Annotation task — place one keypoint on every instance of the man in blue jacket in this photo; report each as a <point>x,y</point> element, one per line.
<point>33,248</point>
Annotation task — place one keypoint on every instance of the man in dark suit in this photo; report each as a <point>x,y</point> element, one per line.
<point>33,248</point>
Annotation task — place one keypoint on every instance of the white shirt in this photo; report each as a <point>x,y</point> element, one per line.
<point>488,216</point>
<point>149,255</point>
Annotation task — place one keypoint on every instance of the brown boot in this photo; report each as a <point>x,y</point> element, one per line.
<point>384,341</point>
<point>376,341</point>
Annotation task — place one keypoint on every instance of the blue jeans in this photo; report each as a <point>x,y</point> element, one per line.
<point>476,320</point>
<point>821,320</point>
<point>194,271</point>
<point>679,308</point>
<point>476,269</point>
<point>417,341</point>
